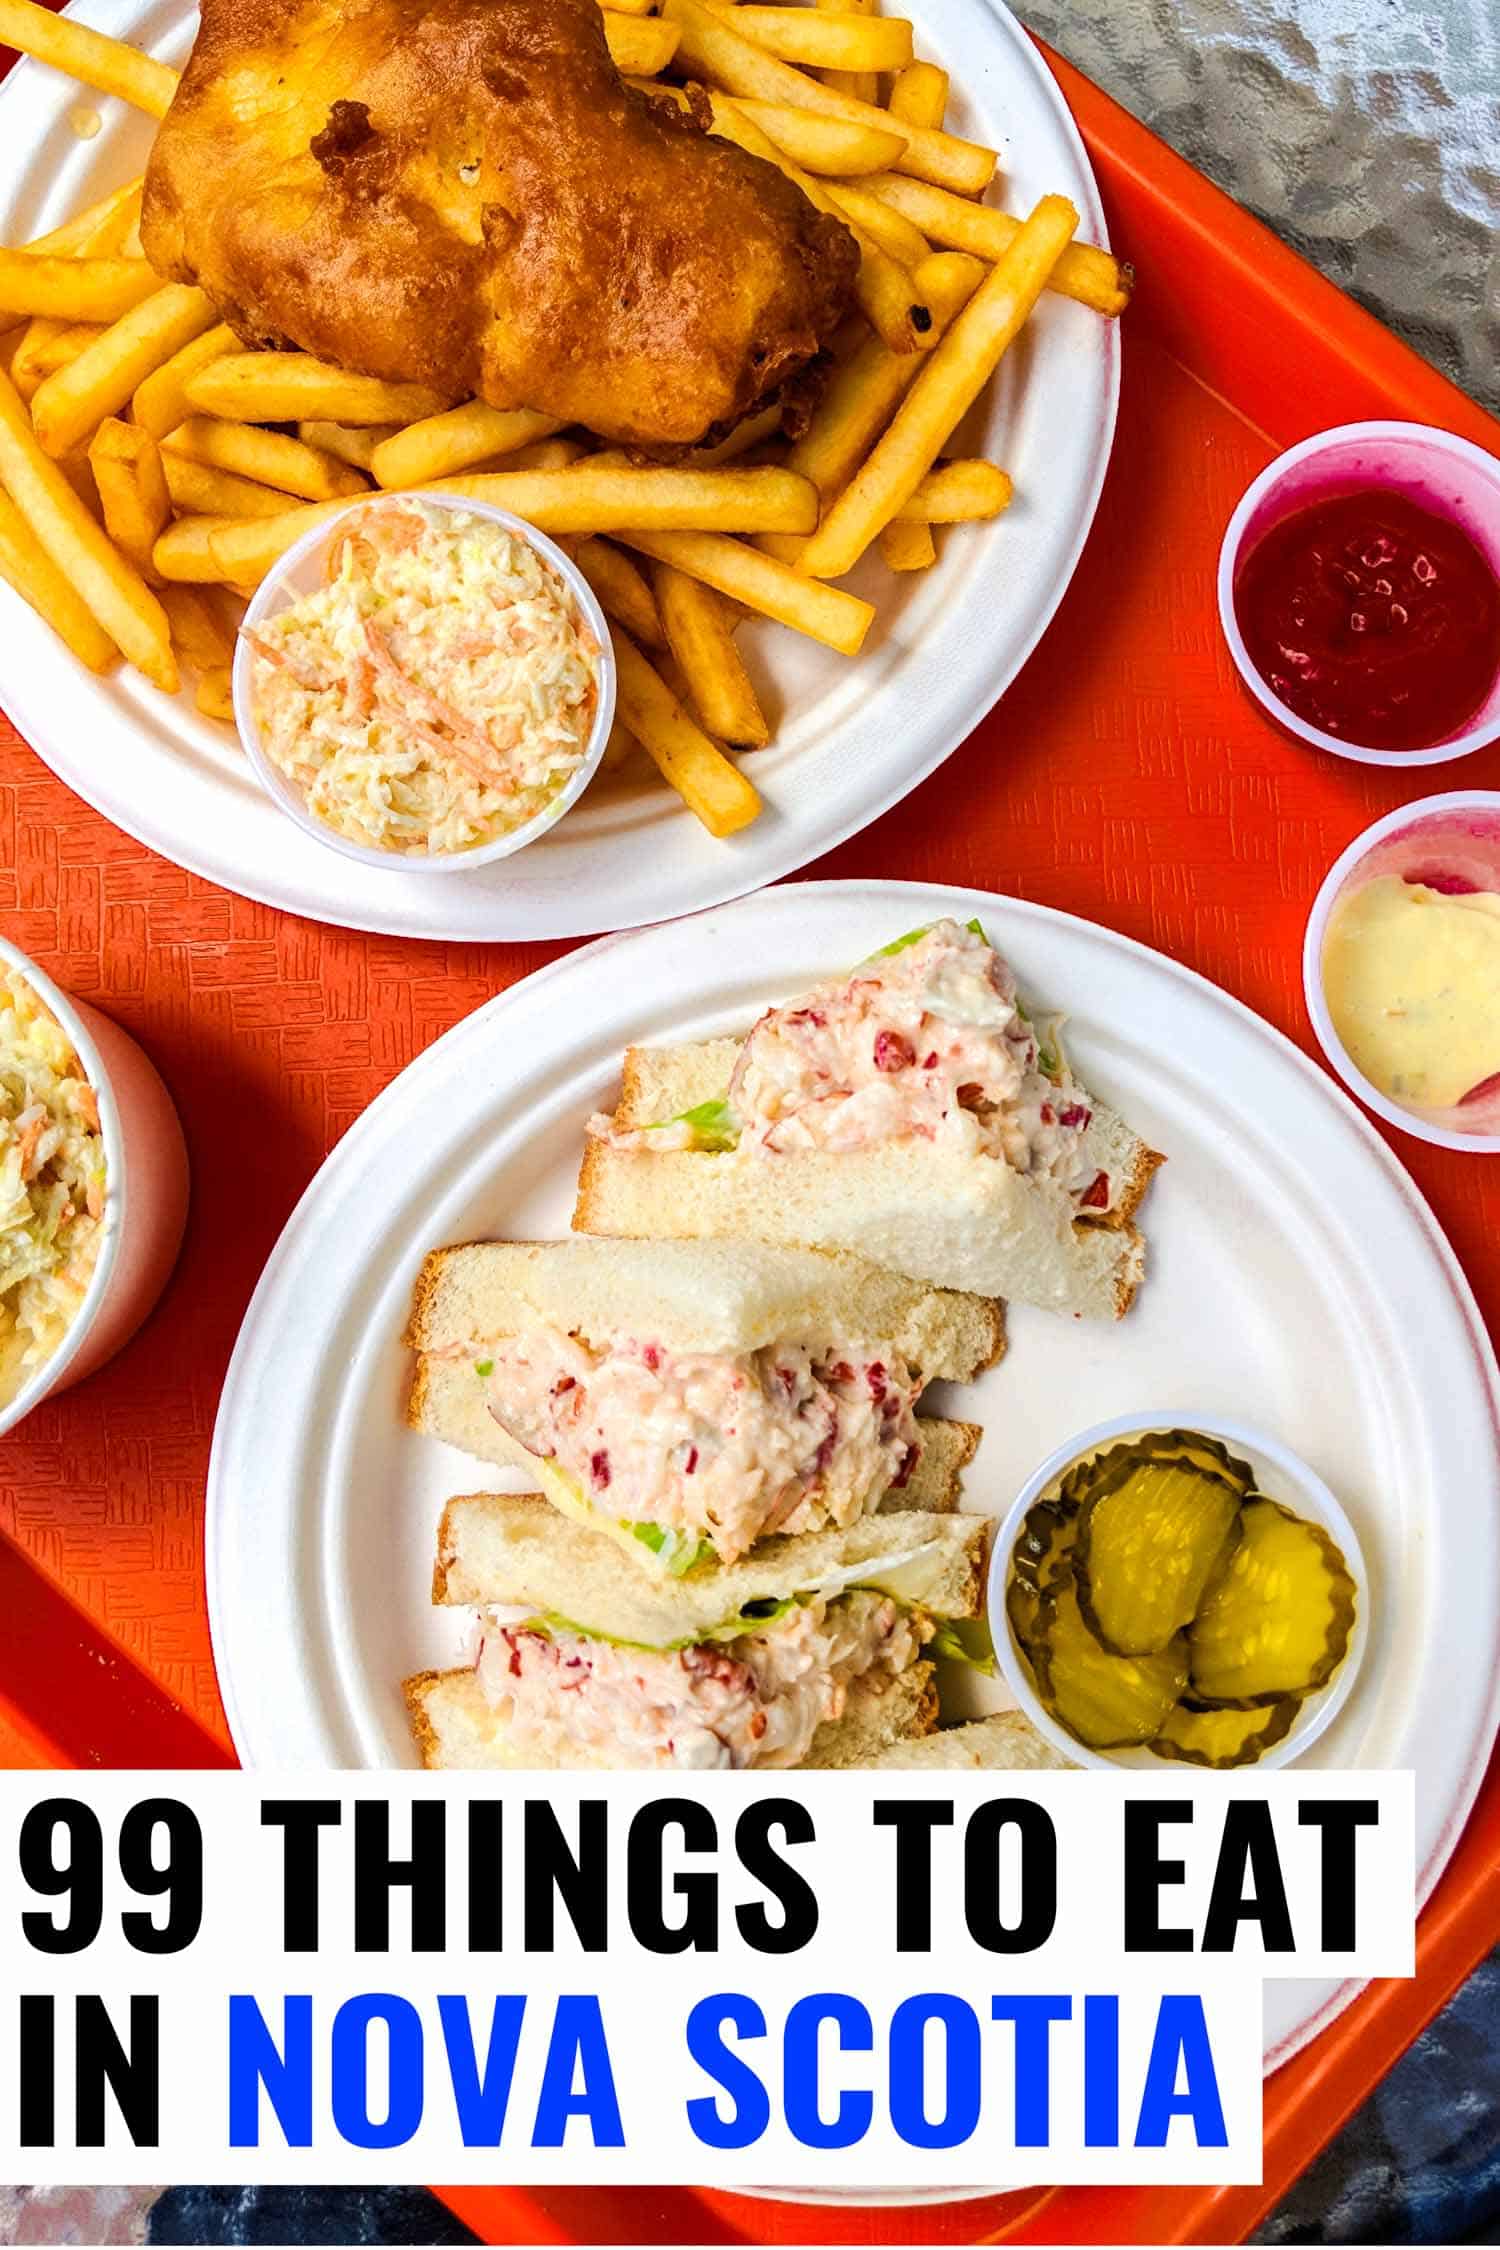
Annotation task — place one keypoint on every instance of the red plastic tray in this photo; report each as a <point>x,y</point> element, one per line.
<point>1126,777</point>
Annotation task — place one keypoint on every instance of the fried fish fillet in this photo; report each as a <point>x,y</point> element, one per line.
<point>464,193</point>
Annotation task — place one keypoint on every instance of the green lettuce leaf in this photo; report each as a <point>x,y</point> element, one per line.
<point>915,937</point>
<point>715,1126</point>
<point>679,1550</point>
<point>964,1640</point>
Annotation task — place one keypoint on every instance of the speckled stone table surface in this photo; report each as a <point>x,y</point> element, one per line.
<point>1367,133</point>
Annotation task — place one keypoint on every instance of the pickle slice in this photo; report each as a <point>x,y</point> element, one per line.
<point>1086,1478</point>
<point>1042,1548</point>
<point>1105,1701</point>
<point>1279,1621</point>
<point>1223,1738</point>
<point>1150,1542</point>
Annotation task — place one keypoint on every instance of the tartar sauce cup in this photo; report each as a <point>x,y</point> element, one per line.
<point>1439,471</point>
<point>300,572</point>
<point>1281,1475</point>
<point>1458,832</point>
<point>145,1192</point>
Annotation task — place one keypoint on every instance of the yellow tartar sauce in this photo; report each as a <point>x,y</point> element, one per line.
<point>1412,979</point>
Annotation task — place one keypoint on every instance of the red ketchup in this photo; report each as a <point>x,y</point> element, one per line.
<point>1373,620</point>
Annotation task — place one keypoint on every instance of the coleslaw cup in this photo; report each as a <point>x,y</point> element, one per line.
<point>1439,471</point>
<point>1282,1476</point>
<point>300,571</point>
<point>1458,832</point>
<point>145,1192</point>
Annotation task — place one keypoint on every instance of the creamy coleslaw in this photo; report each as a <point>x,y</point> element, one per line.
<point>52,1183</point>
<point>436,692</point>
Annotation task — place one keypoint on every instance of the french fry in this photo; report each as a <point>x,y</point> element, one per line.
<point>621,591</point>
<point>958,492</point>
<point>215,693</point>
<point>100,229</point>
<point>293,387</point>
<point>26,565</point>
<point>839,620</point>
<point>111,587</point>
<point>1083,272</point>
<point>884,289</point>
<point>591,497</point>
<point>863,85</point>
<point>547,453</point>
<point>825,144</point>
<point>266,457</point>
<point>97,289</point>
<point>46,346</point>
<point>896,235</point>
<point>160,402</point>
<point>443,444</point>
<point>709,784</point>
<point>94,59</point>
<point>640,44</point>
<point>712,48</point>
<point>845,36</point>
<point>357,447</point>
<point>700,632</point>
<point>619,749</point>
<point>71,404</point>
<point>907,546</point>
<point>186,552</point>
<point>755,430</point>
<point>949,382</point>
<point>199,634</point>
<point>863,394</point>
<point>919,96</point>
<point>132,489</point>
<point>199,491</point>
<point>631,7</point>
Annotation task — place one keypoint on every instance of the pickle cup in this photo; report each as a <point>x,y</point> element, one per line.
<point>145,1193</point>
<point>1281,1476</point>
<point>300,572</point>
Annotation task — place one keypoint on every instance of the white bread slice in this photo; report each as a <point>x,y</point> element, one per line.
<point>1005,1743</point>
<point>447,1401</point>
<point>961,1223</point>
<point>516,1549</point>
<point>694,1297</point>
<point>457,1730</point>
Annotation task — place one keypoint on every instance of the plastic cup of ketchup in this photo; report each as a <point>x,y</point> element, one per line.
<point>1359,592</point>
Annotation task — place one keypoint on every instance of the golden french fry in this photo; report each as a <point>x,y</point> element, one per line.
<point>621,591</point>
<point>266,457</point>
<point>949,382</point>
<point>908,546</point>
<point>825,144</point>
<point>357,447</point>
<point>293,387</point>
<point>97,289</point>
<point>215,693</point>
<point>71,404</point>
<point>26,565</point>
<point>864,85</point>
<point>837,619</point>
<point>443,444</point>
<point>199,491</point>
<point>547,453</point>
<point>594,497</point>
<point>884,289</point>
<point>845,36</point>
<point>742,439</point>
<point>897,237</point>
<point>919,97</point>
<point>709,784</point>
<point>619,749</point>
<point>642,44</point>
<point>958,492</point>
<point>699,629</point>
<point>160,402</point>
<point>46,346</point>
<point>199,634</point>
<point>787,547</point>
<point>1088,274</point>
<point>711,47</point>
<point>111,587</point>
<point>94,59</point>
<point>100,229</point>
<point>863,393</point>
<point>185,551</point>
<point>631,7</point>
<point>132,489</point>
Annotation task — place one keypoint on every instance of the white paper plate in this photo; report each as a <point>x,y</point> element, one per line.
<point>1297,1281</point>
<point>852,737</point>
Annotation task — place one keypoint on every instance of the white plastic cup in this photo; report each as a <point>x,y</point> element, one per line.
<point>300,572</point>
<point>1282,1476</point>
<point>1457,833</point>
<point>1437,470</point>
<point>145,1192</point>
